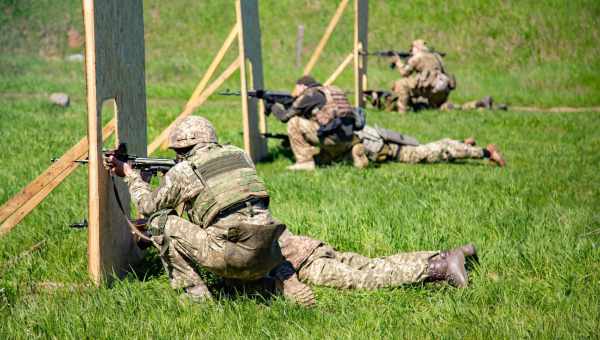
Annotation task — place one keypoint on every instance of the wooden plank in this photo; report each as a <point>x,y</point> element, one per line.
<point>361,33</point>
<point>78,151</point>
<point>339,69</point>
<point>156,143</point>
<point>251,60</point>
<point>317,53</point>
<point>114,40</point>
<point>41,187</point>
<point>214,64</point>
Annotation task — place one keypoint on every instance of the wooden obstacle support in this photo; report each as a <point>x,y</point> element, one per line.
<point>330,27</point>
<point>361,32</point>
<point>20,205</point>
<point>114,48</point>
<point>251,66</point>
<point>339,69</point>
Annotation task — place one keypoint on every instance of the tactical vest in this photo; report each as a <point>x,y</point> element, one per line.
<point>337,105</point>
<point>229,178</point>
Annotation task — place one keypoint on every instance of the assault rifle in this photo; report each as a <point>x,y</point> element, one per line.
<point>144,164</point>
<point>400,54</point>
<point>269,97</point>
<point>392,53</point>
<point>285,139</point>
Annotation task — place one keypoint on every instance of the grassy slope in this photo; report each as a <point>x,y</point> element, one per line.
<point>538,276</point>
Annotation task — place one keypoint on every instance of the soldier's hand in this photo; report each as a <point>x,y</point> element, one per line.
<point>117,167</point>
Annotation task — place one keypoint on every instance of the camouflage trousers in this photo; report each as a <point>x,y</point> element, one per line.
<point>326,267</point>
<point>186,246</point>
<point>472,105</point>
<point>307,146</point>
<point>407,90</point>
<point>445,150</point>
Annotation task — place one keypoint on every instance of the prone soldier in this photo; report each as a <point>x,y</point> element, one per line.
<point>382,145</point>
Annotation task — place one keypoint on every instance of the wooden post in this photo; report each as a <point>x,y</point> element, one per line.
<point>299,43</point>
<point>317,53</point>
<point>114,40</point>
<point>361,33</point>
<point>251,58</point>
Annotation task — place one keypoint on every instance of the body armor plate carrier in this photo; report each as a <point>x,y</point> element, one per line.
<point>229,178</point>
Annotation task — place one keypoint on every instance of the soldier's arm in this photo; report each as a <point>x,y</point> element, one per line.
<point>302,106</point>
<point>174,189</point>
<point>406,68</point>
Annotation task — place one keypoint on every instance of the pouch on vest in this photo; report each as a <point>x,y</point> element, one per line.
<point>252,250</point>
<point>442,83</point>
<point>371,140</point>
<point>395,137</point>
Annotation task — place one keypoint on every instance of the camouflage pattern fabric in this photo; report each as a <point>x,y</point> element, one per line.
<point>421,75</point>
<point>307,146</point>
<point>444,150</point>
<point>186,245</point>
<point>329,268</point>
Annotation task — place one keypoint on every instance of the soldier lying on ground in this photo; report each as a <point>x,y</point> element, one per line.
<point>230,230</point>
<point>426,83</point>
<point>320,125</point>
<point>382,145</point>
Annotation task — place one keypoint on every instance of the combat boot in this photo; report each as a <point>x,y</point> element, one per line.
<point>449,266</point>
<point>294,290</point>
<point>198,293</point>
<point>486,103</point>
<point>359,157</point>
<point>495,155</point>
<point>302,166</point>
<point>469,251</point>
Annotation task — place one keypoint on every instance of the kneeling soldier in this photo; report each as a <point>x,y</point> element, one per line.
<point>229,229</point>
<point>320,126</point>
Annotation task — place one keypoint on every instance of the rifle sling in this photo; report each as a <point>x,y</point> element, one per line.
<point>132,227</point>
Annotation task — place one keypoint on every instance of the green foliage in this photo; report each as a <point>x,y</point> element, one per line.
<point>539,272</point>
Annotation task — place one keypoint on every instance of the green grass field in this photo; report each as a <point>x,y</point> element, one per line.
<point>533,221</point>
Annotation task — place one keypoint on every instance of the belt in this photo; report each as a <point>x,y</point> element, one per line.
<point>242,205</point>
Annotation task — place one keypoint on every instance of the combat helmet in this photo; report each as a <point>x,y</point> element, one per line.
<point>191,131</point>
<point>419,45</point>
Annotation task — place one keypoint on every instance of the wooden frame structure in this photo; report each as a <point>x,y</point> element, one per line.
<point>115,72</point>
<point>361,21</point>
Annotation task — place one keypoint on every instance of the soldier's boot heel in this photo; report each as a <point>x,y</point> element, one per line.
<point>448,266</point>
<point>359,157</point>
<point>198,293</point>
<point>294,290</point>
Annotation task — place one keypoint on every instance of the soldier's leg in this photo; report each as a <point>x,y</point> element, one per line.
<point>402,91</point>
<point>440,151</point>
<point>348,270</point>
<point>184,247</point>
<point>303,139</point>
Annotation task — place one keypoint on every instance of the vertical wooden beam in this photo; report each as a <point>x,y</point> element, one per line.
<point>251,60</point>
<point>317,53</point>
<point>114,40</point>
<point>361,33</point>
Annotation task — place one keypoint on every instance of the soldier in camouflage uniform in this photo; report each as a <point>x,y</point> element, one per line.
<point>229,229</point>
<point>318,263</point>
<point>320,123</point>
<point>426,84</point>
<point>385,145</point>
<point>424,76</point>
